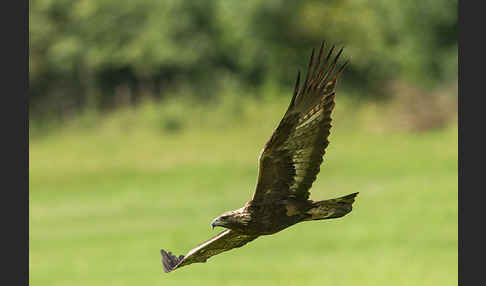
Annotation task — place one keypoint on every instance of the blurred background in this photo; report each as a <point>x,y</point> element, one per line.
<point>147,118</point>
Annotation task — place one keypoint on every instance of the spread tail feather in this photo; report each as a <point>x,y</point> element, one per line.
<point>332,208</point>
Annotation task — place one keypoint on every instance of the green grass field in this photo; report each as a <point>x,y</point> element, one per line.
<point>107,194</point>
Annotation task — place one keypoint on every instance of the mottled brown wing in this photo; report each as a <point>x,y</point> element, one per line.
<point>291,159</point>
<point>224,241</point>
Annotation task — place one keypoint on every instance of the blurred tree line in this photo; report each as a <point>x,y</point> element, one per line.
<point>92,53</point>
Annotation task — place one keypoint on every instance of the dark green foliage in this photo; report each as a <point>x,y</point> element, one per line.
<point>98,53</point>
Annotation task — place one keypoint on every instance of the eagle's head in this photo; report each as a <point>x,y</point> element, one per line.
<point>235,219</point>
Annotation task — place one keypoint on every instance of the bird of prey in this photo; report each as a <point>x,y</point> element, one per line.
<point>288,165</point>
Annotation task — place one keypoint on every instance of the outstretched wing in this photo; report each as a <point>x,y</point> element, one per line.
<point>291,159</point>
<point>224,241</point>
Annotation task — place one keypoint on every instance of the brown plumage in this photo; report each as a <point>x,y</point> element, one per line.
<point>288,165</point>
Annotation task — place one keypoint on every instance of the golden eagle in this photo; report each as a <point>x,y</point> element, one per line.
<point>288,165</point>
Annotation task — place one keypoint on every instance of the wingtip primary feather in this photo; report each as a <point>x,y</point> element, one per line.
<point>296,89</point>
<point>333,65</point>
<point>341,69</point>
<point>311,83</point>
<point>311,63</point>
<point>325,81</point>
<point>332,83</point>
<point>318,76</point>
<point>322,72</point>
<point>169,261</point>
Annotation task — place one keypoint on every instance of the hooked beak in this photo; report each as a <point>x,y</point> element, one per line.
<point>214,223</point>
